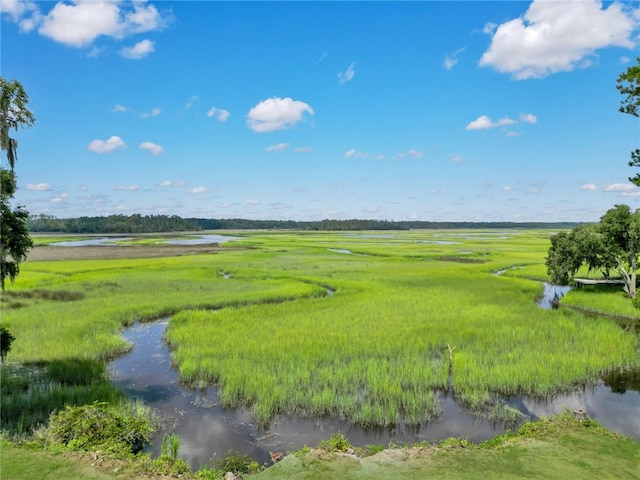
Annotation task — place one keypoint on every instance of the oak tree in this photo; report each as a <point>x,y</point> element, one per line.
<point>628,84</point>
<point>14,236</point>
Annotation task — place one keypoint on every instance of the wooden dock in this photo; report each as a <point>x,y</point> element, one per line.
<point>580,282</point>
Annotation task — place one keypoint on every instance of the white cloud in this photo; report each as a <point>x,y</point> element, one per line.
<point>196,190</point>
<point>79,22</point>
<point>278,147</point>
<point>303,149</point>
<point>456,158</point>
<point>557,36</point>
<point>415,153</point>
<point>24,13</point>
<point>153,113</point>
<point>507,189</point>
<point>451,59</point>
<point>105,146</point>
<point>621,187</point>
<point>348,74</point>
<point>166,183</point>
<point>589,186</point>
<point>61,198</point>
<point>253,202</point>
<point>276,114</point>
<point>528,118</point>
<point>120,108</point>
<point>191,102</point>
<point>127,188</point>
<point>219,114</point>
<point>484,122</point>
<point>38,187</point>
<point>353,153</point>
<point>139,50</point>
<point>152,147</point>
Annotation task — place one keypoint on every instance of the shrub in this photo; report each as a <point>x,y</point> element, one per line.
<point>237,463</point>
<point>337,443</point>
<point>6,339</point>
<point>99,427</point>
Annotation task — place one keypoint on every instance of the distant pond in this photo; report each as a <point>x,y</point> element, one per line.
<point>113,241</point>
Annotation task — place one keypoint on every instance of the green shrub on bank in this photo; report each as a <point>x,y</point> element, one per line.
<point>99,426</point>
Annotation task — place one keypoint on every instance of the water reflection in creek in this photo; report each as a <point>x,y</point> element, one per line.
<point>207,430</point>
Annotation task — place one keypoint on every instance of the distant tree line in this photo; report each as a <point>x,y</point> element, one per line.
<point>110,224</point>
<point>359,224</point>
<point>164,223</point>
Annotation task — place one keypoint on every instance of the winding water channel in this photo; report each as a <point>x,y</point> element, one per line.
<point>208,431</point>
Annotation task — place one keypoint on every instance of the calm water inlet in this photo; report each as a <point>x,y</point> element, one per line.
<point>208,430</point>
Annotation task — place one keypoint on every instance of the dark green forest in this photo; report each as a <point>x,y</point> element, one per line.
<point>164,223</point>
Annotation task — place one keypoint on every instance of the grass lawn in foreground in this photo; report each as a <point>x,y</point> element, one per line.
<point>556,448</point>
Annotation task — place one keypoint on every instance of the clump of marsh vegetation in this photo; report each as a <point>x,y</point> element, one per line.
<point>237,463</point>
<point>11,298</point>
<point>120,428</point>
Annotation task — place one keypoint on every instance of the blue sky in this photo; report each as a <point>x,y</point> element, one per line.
<point>461,111</point>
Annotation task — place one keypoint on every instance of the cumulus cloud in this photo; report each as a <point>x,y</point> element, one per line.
<point>555,36</point>
<point>528,118</point>
<point>104,146</point>
<point>152,147</point>
<point>17,10</point>
<point>348,74</point>
<point>196,190</point>
<point>484,122</point>
<point>589,186</point>
<point>219,114</point>
<point>456,158</point>
<point>278,147</point>
<point>277,114</point>
<point>78,23</point>
<point>38,187</point>
<point>251,201</point>
<point>139,50</point>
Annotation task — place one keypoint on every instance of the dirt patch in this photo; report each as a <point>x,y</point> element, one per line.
<point>49,253</point>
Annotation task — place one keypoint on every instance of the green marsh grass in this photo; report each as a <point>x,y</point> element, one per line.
<point>259,322</point>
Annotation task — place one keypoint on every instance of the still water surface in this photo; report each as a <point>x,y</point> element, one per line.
<point>113,241</point>
<point>208,431</point>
